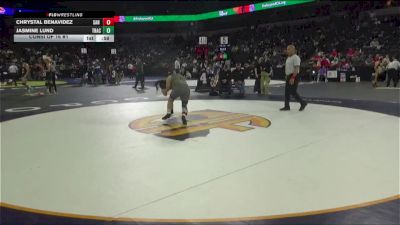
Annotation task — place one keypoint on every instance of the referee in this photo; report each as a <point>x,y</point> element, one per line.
<point>393,69</point>
<point>292,69</point>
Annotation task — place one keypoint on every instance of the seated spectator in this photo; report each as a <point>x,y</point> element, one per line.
<point>344,65</point>
<point>334,53</point>
<point>214,85</point>
<point>335,63</point>
<point>369,61</point>
<point>375,44</point>
<point>350,52</point>
<point>195,70</point>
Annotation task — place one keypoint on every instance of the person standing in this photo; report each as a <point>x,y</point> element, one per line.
<point>393,69</point>
<point>292,69</point>
<point>378,71</point>
<point>130,70</point>
<point>238,78</point>
<point>257,74</point>
<point>47,61</point>
<point>266,72</point>
<point>53,73</point>
<point>25,74</point>
<point>139,73</point>
<point>177,64</point>
<point>120,73</point>
<point>3,70</point>
<point>385,63</point>
<point>225,80</point>
<point>97,74</point>
<point>13,71</point>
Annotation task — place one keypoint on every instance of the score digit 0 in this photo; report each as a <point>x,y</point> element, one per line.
<point>108,21</point>
<point>108,30</point>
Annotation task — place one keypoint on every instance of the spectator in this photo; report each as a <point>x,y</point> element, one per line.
<point>257,73</point>
<point>177,64</point>
<point>325,64</point>
<point>130,70</point>
<point>375,44</point>
<point>225,81</point>
<point>13,73</point>
<point>335,63</point>
<point>140,73</point>
<point>239,77</point>
<point>266,73</point>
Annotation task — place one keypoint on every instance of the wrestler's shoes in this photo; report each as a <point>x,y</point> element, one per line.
<point>184,121</point>
<point>167,116</point>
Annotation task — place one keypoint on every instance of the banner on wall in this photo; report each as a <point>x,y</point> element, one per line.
<point>343,77</point>
<point>202,40</point>
<point>332,74</point>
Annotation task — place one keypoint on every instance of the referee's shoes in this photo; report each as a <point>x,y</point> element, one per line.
<point>302,107</point>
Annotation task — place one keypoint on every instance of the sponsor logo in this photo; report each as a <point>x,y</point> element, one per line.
<point>141,18</point>
<point>199,124</point>
<point>223,13</point>
<point>269,5</point>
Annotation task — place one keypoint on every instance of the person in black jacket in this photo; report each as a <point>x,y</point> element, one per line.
<point>238,78</point>
<point>139,73</point>
<point>225,80</point>
<point>257,73</point>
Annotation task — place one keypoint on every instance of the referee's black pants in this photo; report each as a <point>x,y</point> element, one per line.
<point>53,81</point>
<point>139,77</point>
<point>14,77</point>
<point>291,90</point>
<point>392,75</point>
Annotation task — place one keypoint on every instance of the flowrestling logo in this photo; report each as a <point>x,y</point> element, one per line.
<point>199,124</point>
<point>142,18</point>
<point>270,5</point>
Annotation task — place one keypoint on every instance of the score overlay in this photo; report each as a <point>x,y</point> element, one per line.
<point>64,27</point>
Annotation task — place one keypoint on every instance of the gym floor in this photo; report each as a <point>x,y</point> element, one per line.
<point>101,155</point>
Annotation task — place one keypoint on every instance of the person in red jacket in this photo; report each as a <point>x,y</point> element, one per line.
<point>325,64</point>
<point>334,53</point>
<point>350,52</point>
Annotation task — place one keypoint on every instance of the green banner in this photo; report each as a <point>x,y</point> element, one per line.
<point>215,14</point>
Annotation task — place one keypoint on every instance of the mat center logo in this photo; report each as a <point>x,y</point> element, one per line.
<point>199,124</point>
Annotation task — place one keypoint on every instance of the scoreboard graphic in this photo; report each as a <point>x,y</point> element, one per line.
<point>64,27</point>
